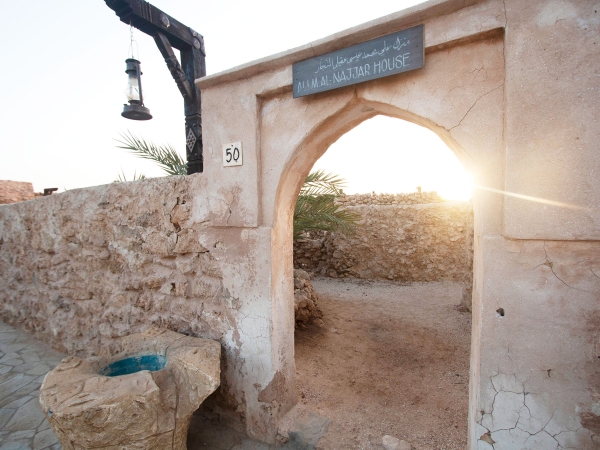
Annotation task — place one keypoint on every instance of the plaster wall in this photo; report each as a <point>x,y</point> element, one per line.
<point>539,317</point>
<point>510,87</point>
<point>552,116</point>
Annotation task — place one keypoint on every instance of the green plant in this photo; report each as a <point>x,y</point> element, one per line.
<point>123,178</point>
<point>165,156</point>
<point>316,208</point>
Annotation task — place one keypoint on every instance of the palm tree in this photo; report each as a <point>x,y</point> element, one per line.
<point>315,208</point>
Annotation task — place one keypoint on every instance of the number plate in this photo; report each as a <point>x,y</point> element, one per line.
<point>232,154</point>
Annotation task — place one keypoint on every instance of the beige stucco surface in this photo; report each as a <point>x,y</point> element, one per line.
<point>510,86</point>
<point>552,136</point>
<point>539,361</point>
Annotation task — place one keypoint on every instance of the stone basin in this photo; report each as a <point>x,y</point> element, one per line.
<point>142,396</point>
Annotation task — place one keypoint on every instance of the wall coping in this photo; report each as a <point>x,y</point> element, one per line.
<point>354,35</point>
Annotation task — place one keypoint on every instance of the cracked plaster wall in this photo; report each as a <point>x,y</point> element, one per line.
<point>540,382</point>
<point>499,88</point>
<point>540,359</point>
<point>464,107</point>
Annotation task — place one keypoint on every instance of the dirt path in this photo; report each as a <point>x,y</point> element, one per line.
<point>388,359</point>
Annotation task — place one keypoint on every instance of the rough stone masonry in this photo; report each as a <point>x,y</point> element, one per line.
<point>15,191</point>
<point>415,237</point>
<point>83,268</point>
<point>400,237</point>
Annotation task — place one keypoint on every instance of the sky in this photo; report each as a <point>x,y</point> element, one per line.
<point>63,82</point>
<point>403,157</point>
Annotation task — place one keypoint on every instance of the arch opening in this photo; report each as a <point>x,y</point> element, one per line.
<point>316,143</point>
<point>388,155</point>
<point>390,355</point>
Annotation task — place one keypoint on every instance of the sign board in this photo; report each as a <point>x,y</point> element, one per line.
<point>388,55</point>
<point>232,154</point>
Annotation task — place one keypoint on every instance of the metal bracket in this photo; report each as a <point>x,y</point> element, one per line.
<point>168,33</point>
<point>174,67</point>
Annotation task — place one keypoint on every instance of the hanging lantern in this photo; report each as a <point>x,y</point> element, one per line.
<point>135,110</point>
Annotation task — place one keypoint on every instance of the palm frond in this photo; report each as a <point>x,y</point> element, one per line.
<point>320,182</point>
<point>165,156</point>
<point>316,208</point>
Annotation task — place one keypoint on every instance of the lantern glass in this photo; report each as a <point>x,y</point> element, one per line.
<point>135,110</point>
<point>133,87</point>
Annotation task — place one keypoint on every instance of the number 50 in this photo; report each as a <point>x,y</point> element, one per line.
<point>232,154</point>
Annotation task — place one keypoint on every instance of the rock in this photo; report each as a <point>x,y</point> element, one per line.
<point>88,408</point>
<point>305,299</point>
<point>306,432</point>
<point>392,443</point>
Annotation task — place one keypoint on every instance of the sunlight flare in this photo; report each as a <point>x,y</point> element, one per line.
<point>530,198</point>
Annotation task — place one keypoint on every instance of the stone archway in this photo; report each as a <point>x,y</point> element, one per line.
<point>480,91</point>
<point>313,147</point>
<point>347,109</point>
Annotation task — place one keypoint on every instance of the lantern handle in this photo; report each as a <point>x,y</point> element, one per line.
<point>131,41</point>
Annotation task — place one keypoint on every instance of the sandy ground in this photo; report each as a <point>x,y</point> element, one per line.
<point>387,360</point>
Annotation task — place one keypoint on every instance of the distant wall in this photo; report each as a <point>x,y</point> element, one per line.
<point>414,237</point>
<point>15,191</point>
<point>389,199</point>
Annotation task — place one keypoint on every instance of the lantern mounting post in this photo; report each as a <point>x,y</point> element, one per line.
<point>169,33</point>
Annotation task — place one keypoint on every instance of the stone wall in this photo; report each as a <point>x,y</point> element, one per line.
<point>15,191</point>
<point>81,268</point>
<point>390,199</point>
<point>414,237</point>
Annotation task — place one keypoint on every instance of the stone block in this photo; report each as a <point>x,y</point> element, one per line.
<point>15,191</point>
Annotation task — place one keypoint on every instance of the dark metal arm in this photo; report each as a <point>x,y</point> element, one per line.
<point>149,19</point>
<point>174,67</point>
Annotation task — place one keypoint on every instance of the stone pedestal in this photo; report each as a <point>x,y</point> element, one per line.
<point>150,409</point>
